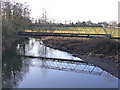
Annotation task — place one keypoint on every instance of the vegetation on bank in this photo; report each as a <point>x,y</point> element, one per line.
<point>14,18</point>
<point>98,47</point>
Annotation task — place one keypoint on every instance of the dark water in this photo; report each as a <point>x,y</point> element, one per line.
<point>23,72</point>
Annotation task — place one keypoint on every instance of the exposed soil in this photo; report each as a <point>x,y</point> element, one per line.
<point>100,52</point>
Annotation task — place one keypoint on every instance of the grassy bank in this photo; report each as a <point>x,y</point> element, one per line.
<point>103,48</point>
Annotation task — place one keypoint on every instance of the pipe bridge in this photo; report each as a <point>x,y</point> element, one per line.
<point>62,31</point>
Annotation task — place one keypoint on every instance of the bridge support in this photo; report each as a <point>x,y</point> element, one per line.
<point>104,29</point>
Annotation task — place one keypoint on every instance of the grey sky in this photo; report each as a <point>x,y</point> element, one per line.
<point>74,10</point>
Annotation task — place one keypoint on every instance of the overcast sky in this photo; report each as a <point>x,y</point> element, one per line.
<point>74,10</point>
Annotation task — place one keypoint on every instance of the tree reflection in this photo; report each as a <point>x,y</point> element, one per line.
<point>13,69</point>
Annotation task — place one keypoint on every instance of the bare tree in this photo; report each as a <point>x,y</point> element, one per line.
<point>39,21</point>
<point>69,21</point>
<point>44,16</point>
<point>65,21</point>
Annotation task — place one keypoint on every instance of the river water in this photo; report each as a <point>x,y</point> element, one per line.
<point>25,72</point>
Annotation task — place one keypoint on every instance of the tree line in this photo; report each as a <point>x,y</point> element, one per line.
<point>14,17</point>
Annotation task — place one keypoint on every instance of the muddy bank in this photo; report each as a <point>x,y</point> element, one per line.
<point>100,52</point>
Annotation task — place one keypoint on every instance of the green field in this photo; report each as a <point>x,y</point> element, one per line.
<point>83,30</point>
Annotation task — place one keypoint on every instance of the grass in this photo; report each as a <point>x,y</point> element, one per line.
<point>99,47</point>
<point>83,30</point>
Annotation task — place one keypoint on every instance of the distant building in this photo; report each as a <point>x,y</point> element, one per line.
<point>89,23</point>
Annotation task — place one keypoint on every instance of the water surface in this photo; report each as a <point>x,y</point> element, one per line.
<point>23,72</point>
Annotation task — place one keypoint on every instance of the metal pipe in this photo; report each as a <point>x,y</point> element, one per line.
<point>104,28</point>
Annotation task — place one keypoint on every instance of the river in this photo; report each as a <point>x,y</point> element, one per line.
<point>25,72</point>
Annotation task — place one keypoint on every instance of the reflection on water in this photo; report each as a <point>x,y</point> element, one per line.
<point>21,72</point>
<point>35,47</point>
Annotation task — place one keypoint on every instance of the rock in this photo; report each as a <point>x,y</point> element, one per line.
<point>99,55</point>
<point>91,54</point>
<point>110,56</point>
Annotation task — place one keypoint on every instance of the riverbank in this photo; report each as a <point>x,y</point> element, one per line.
<point>101,52</point>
